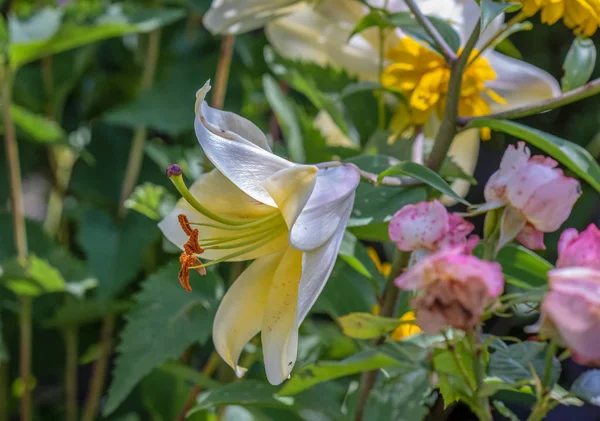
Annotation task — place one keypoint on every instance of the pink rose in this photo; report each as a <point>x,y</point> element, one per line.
<point>454,289</point>
<point>572,309</point>
<point>429,226</point>
<point>538,196</point>
<point>575,249</point>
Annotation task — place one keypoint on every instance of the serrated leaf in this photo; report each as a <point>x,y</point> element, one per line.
<point>44,34</point>
<point>286,116</point>
<point>312,374</point>
<point>515,362</point>
<point>115,252</point>
<point>571,155</point>
<point>165,322</point>
<point>424,174</point>
<point>490,10</point>
<point>367,325</point>
<point>579,63</point>
<point>399,398</point>
<point>587,387</point>
<point>151,201</point>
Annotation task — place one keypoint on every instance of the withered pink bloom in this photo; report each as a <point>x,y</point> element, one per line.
<point>572,310</point>
<point>428,226</point>
<point>538,196</point>
<point>453,289</point>
<point>579,249</point>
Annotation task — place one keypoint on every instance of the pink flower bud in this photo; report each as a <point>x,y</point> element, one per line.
<point>572,310</point>
<point>575,249</point>
<point>429,226</point>
<point>454,289</point>
<point>535,189</point>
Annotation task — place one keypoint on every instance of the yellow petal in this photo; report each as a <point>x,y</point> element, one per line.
<point>240,314</point>
<point>280,322</point>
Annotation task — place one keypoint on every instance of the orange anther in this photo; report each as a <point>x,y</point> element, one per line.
<point>188,258</point>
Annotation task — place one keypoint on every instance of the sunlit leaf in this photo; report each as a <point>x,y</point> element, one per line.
<point>490,10</point>
<point>367,325</point>
<point>151,200</point>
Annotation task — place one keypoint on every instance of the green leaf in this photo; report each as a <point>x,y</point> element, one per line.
<point>375,17</point>
<point>505,411</point>
<point>183,318</point>
<point>407,22</point>
<point>151,200</point>
<point>524,265</point>
<point>286,116</point>
<point>189,374</point>
<point>507,48</point>
<point>587,387</point>
<point>374,206</point>
<point>115,252</point>
<point>490,10</point>
<point>358,87</point>
<point>571,155</point>
<point>37,277</point>
<point>312,374</point>
<point>399,398</point>
<point>579,63</point>
<point>424,174</point>
<point>355,254</point>
<point>43,34</point>
<point>367,325</point>
<point>38,127</point>
<point>452,383</point>
<point>513,363</point>
<point>81,312</point>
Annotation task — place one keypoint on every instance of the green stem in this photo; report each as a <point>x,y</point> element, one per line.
<point>390,297</point>
<point>463,370</point>
<point>550,352</point>
<point>380,94</point>
<point>449,54</point>
<point>484,411</point>
<point>25,356</point>
<point>3,391</point>
<point>71,356</point>
<point>222,73</point>
<point>136,154</point>
<point>209,368</point>
<point>589,89</point>
<point>447,129</point>
<point>491,42</point>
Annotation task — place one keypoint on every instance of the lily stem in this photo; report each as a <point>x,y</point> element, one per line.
<point>20,234</point>
<point>136,154</point>
<point>589,89</point>
<point>390,297</point>
<point>447,129</point>
<point>449,54</point>
<point>209,368</point>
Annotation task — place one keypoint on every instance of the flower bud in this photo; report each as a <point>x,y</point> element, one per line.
<point>429,226</point>
<point>174,170</point>
<point>453,289</point>
<point>571,310</point>
<point>579,249</point>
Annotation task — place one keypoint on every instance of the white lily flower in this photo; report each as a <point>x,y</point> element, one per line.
<point>320,34</point>
<point>288,218</point>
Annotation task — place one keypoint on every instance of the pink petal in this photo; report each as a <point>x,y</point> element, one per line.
<point>458,230</point>
<point>419,226</point>
<point>576,249</point>
<point>531,238</point>
<point>513,159</point>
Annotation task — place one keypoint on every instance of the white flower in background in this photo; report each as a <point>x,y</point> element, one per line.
<point>319,32</point>
<point>288,218</point>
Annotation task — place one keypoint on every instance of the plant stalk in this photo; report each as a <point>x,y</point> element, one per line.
<point>3,391</point>
<point>222,74</point>
<point>447,129</point>
<point>390,297</point>
<point>449,54</point>
<point>136,153</point>
<point>20,234</point>
<point>589,89</point>
<point>209,369</point>
<point>71,355</point>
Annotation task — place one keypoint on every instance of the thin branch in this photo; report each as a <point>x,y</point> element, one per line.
<point>447,129</point>
<point>211,366</point>
<point>390,297</point>
<point>222,74</point>
<point>589,89</point>
<point>449,54</point>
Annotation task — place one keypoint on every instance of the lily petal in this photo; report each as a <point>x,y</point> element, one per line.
<point>291,188</point>
<point>518,82</point>
<point>236,148</point>
<point>326,207</point>
<point>240,314</point>
<point>280,322</point>
<point>317,264</point>
<point>239,16</point>
<point>465,152</point>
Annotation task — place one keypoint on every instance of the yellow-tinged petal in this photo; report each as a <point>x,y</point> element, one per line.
<point>291,188</point>
<point>280,323</point>
<point>241,312</point>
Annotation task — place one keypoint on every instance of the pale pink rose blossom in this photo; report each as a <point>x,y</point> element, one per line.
<point>429,226</point>
<point>538,196</point>
<point>453,289</point>
<point>579,249</point>
<point>572,310</point>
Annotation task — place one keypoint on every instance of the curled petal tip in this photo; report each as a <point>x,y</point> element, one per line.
<point>240,371</point>
<point>174,170</point>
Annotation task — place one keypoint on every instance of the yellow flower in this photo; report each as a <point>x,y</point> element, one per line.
<point>423,75</point>
<point>407,328</point>
<point>583,16</point>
